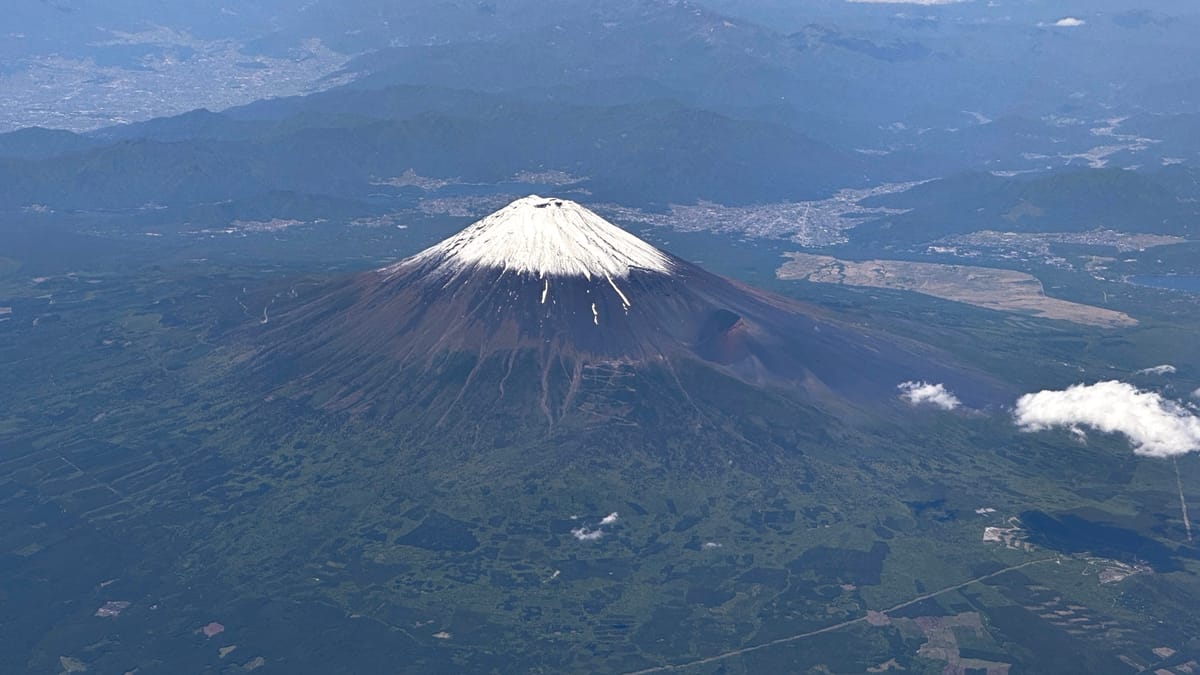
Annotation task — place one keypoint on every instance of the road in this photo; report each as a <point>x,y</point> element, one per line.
<point>838,626</point>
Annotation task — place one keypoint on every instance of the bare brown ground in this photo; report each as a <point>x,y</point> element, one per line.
<point>1003,290</point>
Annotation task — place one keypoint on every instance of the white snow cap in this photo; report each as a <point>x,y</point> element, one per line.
<point>545,237</point>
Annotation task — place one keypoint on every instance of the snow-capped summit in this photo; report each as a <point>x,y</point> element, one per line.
<point>543,237</point>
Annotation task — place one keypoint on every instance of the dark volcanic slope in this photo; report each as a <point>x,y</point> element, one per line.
<point>556,285</point>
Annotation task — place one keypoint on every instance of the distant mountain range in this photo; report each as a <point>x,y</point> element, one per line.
<point>657,151</point>
<point>822,69</point>
<point>645,104</point>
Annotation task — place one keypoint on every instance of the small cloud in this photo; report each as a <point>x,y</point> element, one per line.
<point>1155,426</point>
<point>712,544</point>
<point>1196,394</point>
<point>1165,369</point>
<point>585,534</point>
<point>924,393</point>
<point>1069,22</point>
<point>609,519</point>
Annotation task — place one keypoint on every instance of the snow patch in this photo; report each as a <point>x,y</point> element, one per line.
<point>624,300</point>
<point>544,237</point>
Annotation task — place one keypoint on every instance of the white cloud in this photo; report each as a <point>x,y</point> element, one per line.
<point>1069,22</point>
<point>1196,394</point>
<point>1155,426</point>
<point>1165,369</point>
<point>922,393</point>
<point>584,534</point>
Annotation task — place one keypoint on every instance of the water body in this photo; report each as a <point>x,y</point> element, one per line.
<point>1171,283</point>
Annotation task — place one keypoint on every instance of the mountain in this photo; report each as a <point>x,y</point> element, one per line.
<point>548,287</point>
<point>629,153</point>
<point>39,143</point>
<point>1161,201</point>
<point>360,476</point>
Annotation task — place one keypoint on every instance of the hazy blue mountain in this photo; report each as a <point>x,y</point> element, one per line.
<point>640,153</point>
<point>821,69</point>
<point>1063,201</point>
<point>38,143</point>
